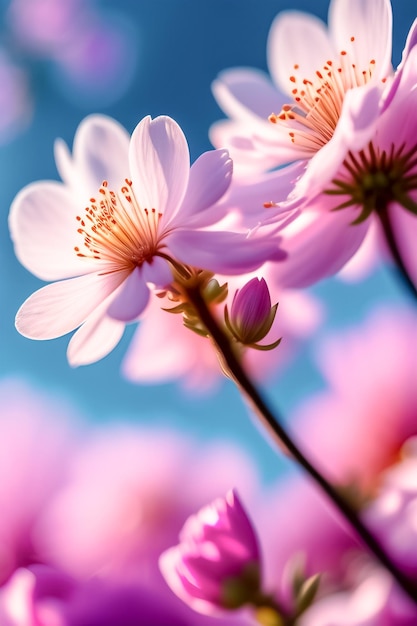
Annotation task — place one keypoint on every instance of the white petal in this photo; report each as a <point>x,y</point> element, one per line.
<point>60,307</point>
<point>210,177</point>
<point>43,227</point>
<point>101,148</point>
<point>131,299</point>
<point>370,23</point>
<point>246,93</point>
<point>95,338</point>
<point>297,39</point>
<point>159,164</point>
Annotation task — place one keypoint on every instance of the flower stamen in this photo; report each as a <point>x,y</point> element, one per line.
<point>312,118</point>
<point>116,229</point>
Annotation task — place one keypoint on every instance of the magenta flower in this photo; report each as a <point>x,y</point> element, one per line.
<point>217,564</point>
<point>106,257</point>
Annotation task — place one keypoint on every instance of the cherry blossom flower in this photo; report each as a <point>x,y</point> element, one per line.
<point>106,257</point>
<point>218,545</point>
<point>320,77</point>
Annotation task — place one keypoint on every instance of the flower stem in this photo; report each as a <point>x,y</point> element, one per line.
<point>284,440</point>
<point>394,249</point>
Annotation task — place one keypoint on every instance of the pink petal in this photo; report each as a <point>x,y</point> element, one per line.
<point>159,164</point>
<point>223,252</point>
<point>95,338</point>
<point>370,23</point>
<point>244,93</point>
<point>60,307</point>
<point>157,272</point>
<point>320,246</point>
<point>101,147</point>
<point>43,227</point>
<point>131,299</point>
<point>210,177</point>
<point>296,38</point>
<point>404,225</point>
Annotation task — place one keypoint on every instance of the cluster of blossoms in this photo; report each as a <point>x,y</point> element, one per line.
<point>135,233</point>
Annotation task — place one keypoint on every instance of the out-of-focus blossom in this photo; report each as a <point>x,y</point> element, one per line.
<point>216,565</point>
<point>15,99</point>
<point>42,596</point>
<point>393,513</point>
<point>36,440</point>
<point>356,428</point>
<point>251,314</point>
<point>376,601</point>
<point>300,530</point>
<point>92,53</point>
<point>125,499</point>
<point>325,76</point>
<point>106,257</point>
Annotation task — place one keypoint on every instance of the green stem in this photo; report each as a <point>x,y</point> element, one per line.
<point>284,440</point>
<point>394,249</point>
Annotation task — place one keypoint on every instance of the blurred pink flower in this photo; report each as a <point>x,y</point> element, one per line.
<point>374,602</point>
<point>89,49</point>
<point>218,545</point>
<point>15,100</point>
<point>356,428</point>
<point>326,76</point>
<point>107,257</point>
<point>125,500</point>
<point>393,513</point>
<point>36,441</point>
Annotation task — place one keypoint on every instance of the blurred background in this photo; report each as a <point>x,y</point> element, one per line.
<point>63,59</point>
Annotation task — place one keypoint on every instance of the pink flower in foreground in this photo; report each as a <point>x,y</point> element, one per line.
<point>325,76</point>
<point>217,563</point>
<point>106,257</point>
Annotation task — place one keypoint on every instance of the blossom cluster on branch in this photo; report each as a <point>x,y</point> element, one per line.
<point>210,259</point>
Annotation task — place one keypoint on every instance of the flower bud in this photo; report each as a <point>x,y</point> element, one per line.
<point>216,565</point>
<point>251,315</point>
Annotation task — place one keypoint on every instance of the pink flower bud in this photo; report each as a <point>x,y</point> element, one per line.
<point>216,565</point>
<point>251,315</point>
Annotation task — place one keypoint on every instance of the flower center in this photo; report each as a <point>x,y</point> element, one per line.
<point>117,230</point>
<point>374,178</point>
<point>313,117</point>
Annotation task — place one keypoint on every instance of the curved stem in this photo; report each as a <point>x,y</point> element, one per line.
<point>393,247</point>
<point>283,439</point>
